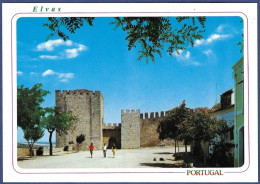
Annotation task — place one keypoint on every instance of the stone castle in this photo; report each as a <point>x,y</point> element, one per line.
<point>134,131</point>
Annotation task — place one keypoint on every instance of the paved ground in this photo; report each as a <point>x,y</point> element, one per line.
<point>125,158</point>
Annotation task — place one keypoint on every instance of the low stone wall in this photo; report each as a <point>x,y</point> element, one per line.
<point>24,152</point>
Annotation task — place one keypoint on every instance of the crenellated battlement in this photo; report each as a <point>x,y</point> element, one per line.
<point>111,126</point>
<point>77,92</point>
<point>127,111</point>
<point>154,115</point>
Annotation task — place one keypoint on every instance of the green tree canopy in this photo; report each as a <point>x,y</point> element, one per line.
<point>184,124</point>
<point>33,134</point>
<point>29,111</point>
<point>151,34</point>
<point>57,120</point>
<point>205,128</point>
<point>169,126</point>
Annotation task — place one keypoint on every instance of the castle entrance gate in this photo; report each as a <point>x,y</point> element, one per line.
<point>111,142</point>
<point>112,135</point>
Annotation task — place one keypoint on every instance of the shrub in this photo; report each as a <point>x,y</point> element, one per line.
<point>39,151</point>
<point>66,148</point>
<point>80,138</point>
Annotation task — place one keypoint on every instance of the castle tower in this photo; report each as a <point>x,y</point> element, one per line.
<point>88,108</point>
<point>130,129</point>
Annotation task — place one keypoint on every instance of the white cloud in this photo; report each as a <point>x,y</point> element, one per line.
<point>187,56</point>
<point>19,73</point>
<point>71,49</point>
<point>64,77</point>
<point>51,44</point>
<point>48,57</point>
<point>210,39</point>
<point>182,55</point>
<point>64,80</point>
<point>208,52</point>
<point>220,28</point>
<point>48,72</point>
<point>33,73</point>
<point>72,53</point>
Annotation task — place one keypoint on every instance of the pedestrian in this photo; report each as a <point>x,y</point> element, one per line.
<point>114,150</point>
<point>105,150</point>
<point>91,149</point>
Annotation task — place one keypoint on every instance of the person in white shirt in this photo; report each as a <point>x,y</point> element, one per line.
<point>105,150</point>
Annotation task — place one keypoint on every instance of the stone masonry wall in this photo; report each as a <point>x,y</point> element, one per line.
<point>112,135</point>
<point>130,129</point>
<point>88,108</point>
<point>148,126</point>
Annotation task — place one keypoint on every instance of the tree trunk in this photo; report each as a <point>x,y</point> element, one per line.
<point>31,151</point>
<point>178,146</point>
<point>175,145</point>
<point>185,142</point>
<point>30,145</point>
<point>50,142</point>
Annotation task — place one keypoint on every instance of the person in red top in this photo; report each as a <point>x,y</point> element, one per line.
<point>91,148</point>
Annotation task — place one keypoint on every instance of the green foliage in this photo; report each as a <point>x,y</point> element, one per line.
<point>241,44</point>
<point>39,151</point>
<point>57,120</point>
<point>170,126</point>
<point>205,128</point>
<point>80,138</point>
<point>29,111</point>
<point>150,34</point>
<point>183,124</point>
<point>58,25</point>
<point>32,134</point>
<point>66,148</point>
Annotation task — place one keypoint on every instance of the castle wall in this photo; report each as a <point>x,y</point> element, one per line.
<point>148,126</point>
<point>130,129</point>
<point>88,108</point>
<point>112,135</point>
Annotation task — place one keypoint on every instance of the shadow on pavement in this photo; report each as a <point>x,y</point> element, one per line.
<point>22,158</point>
<point>163,153</point>
<point>163,165</point>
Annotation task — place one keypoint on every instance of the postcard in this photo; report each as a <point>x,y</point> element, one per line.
<point>130,92</point>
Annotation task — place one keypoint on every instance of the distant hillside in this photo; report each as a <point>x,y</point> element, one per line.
<point>36,145</point>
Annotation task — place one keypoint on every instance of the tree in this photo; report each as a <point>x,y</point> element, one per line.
<point>206,128</point>
<point>170,126</point>
<point>57,120</point>
<point>150,34</point>
<point>80,139</point>
<point>183,124</point>
<point>32,134</point>
<point>30,113</point>
<point>241,43</point>
<point>185,132</point>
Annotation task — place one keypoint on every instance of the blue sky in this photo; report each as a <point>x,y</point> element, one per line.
<point>97,58</point>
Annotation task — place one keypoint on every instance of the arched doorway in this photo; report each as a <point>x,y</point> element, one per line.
<point>111,142</point>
